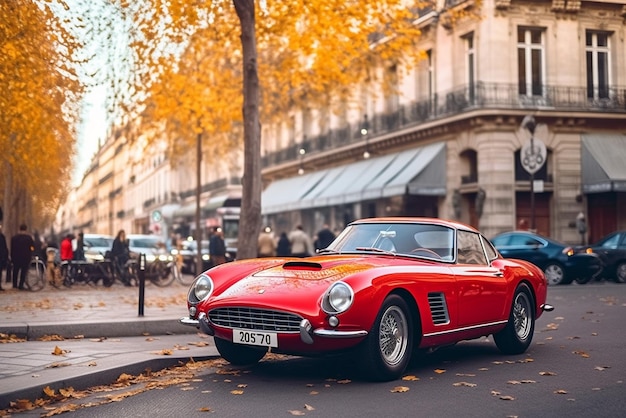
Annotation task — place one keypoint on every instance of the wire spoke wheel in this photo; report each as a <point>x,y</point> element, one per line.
<point>521,316</point>
<point>393,335</point>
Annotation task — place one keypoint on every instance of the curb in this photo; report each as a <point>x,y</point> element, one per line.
<point>129,328</point>
<point>82,381</point>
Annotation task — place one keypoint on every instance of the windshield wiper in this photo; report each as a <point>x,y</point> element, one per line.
<point>375,250</point>
<point>328,251</point>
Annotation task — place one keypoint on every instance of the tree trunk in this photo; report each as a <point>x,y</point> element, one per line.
<point>250,220</point>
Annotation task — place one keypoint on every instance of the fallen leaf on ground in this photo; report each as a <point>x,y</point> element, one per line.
<point>58,351</point>
<point>469,385</point>
<point>399,389</point>
<point>57,365</point>
<point>199,343</point>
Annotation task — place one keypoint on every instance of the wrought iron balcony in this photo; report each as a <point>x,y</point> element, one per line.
<point>454,102</point>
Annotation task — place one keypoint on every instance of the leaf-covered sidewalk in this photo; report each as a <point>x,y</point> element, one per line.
<point>86,302</point>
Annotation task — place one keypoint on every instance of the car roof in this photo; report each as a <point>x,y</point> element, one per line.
<point>433,221</point>
<point>534,235</point>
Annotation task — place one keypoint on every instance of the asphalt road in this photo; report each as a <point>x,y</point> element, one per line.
<point>575,368</point>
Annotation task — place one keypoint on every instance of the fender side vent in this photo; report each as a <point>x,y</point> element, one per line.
<point>438,308</point>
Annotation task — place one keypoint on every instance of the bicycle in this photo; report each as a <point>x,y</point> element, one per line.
<point>73,271</point>
<point>160,273</point>
<point>125,273</point>
<point>35,277</point>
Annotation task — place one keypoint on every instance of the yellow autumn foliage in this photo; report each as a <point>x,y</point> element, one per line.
<point>189,60</point>
<point>39,96</point>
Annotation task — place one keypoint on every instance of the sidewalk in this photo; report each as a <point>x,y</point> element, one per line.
<point>89,335</point>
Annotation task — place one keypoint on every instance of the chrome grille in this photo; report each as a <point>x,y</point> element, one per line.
<point>438,308</point>
<point>257,319</point>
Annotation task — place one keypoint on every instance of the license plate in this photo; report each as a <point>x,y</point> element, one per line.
<point>263,339</point>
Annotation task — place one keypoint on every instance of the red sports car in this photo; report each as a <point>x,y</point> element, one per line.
<point>383,288</point>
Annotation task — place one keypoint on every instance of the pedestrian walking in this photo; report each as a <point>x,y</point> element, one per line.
<point>301,245</point>
<point>22,247</point>
<point>79,251</point>
<point>217,247</point>
<point>324,237</point>
<point>4,256</point>
<point>283,247</point>
<point>266,244</point>
<point>67,252</point>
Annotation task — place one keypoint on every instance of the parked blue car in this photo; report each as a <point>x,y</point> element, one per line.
<point>560,262</point>
<point>612,251</point>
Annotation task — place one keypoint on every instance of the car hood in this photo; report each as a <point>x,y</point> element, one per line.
<point>310,276</point>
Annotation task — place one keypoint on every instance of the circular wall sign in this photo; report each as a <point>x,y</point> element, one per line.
<point>533,155</point>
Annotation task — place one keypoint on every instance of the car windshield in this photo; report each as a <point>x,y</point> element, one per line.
<point>148,242</point>
<point>411,239</point>
<point>99,242</point>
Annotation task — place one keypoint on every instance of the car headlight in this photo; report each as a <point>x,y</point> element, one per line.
<point>206,257</point>
<point>150,258</point>
<point>338,298</point>
<point>201,289</point>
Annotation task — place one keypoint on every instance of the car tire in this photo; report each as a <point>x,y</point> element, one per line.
<point>518,333</point>
<point>239,355</point>
<point>583,280</point>
<point>555,274</point>
<point>620,273</point>
<point>386,352</point>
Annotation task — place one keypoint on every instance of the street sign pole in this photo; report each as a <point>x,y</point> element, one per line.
<point>533,156</point>
<point>533,227</point>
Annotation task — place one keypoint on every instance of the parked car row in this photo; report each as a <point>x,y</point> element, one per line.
<point>563,264</point>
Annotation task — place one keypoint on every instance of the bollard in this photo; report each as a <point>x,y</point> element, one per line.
<point>142,281</point>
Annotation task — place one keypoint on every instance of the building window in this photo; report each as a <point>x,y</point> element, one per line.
<point>530,57</point>
<point>470,65</point>
<point>597,50</point>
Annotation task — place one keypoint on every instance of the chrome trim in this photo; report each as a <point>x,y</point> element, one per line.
<point>546,307</point>
<point>189,321</point>
<point>305,331</point>
<point>204,324</point>
<point>331,333</point>
<point>434,334</point>
<point>259,319</point>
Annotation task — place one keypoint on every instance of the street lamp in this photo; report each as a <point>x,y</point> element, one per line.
<point>532,156</point>
<point>364,131</point>
<point>302,151</point>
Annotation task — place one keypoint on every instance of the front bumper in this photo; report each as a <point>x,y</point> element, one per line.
<point>307,333</point>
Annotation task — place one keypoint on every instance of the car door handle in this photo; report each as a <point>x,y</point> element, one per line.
<point>498,274</point>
